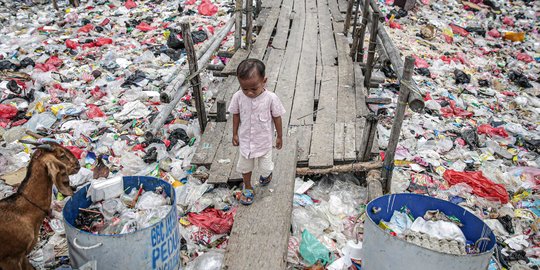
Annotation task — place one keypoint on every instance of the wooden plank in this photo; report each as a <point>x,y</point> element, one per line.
<point>334,9</point>
<point>227,86</point>
<point>264,35</point>
<point>328,44</point>
<point>259,21</point>
<point>305,83</point>
<point>339,142</point>
<point>260,234</point>
<point>275,59</point>
<point>321,153</point>
<point>287,78</point>
<point>224,159</point>
<point>346,92</point>
<point>361,106</point>
<point>359,124</point>
<point>234,175</point>
<point>206,151</point>
<point>349,148</point>
<point>282,30</point>
<point>305,133</point>
<point>342,6</point>
<point>328,102</point>
<point>232,64</point>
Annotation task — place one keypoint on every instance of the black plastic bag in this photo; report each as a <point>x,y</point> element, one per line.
<point>198,36</point>
<point>461,77</point>
<point>424,72</point>
<point>178,135</point>
<point>519,79</point>
<point>134,78</point>
<point>174,43</point>
<point>7,65</point>
<point>27,62</point>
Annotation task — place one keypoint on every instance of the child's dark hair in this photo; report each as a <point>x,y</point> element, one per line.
<point>247,68</point>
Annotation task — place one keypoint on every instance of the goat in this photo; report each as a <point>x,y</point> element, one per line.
<point>74,3</point>
<point>22,213</point>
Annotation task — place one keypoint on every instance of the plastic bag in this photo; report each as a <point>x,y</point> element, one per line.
<point>491,131</point>
<point>312,250</point>
<point>211,260</point>
<point>149,200</point>
<point>143,26</point>
<point>481,185</point>
<point>206,8</point>
<point>7,112</point>
<point>149,217</point>
<point>130,4</point>
<point>94,112</point>
<point>216,220</point>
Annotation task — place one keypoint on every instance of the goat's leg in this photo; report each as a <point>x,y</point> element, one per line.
<point>55,5</point>
<point>76,3</point>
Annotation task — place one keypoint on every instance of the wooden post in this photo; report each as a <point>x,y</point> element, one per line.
<point>258,7</point>
<point>238,25</point>
<point>368,137</point>
<point>356,14</point>
<point>390,152</point>
<point>221,111</point>
<point>347,23</point>
<point>249,22</point>
<point>195,81</point>
<point>362,33</point>
<point>371,48</point>
<point>374,186</point>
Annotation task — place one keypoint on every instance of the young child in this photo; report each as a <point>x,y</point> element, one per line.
<point>255,112</point>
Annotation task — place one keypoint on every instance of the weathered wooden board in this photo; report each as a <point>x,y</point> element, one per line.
<point>349,147</point>
<point>232,64</point>
<point>287,78</point>
<point>334,9</point>
<point>361,106</point>
<point>328,100</point>
<point>226,89</point>
<point>305,83</point>
<point>339,141</point>
<point>209,143</point>
<point>304,144</point>
<point>224,160</point>
<point>260,234</point>
<point>327,40</point>
<point>346,92</point>
<point>321,154</point>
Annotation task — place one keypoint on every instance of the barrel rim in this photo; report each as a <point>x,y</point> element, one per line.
<point>173,207</point>
<point>427,249</point>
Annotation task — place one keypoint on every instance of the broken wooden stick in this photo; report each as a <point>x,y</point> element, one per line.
<point>374,185</point>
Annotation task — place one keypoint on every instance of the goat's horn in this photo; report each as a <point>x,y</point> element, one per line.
<point>47,147</point>
<point>30,142</point>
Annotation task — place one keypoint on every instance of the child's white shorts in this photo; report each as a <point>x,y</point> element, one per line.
<point>265,164</point>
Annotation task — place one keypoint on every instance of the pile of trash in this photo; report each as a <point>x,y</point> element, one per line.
<point>327,214</point>
<point>477,142</point>
<point>93,78</point>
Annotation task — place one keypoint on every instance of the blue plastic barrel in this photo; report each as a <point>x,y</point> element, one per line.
<point>155,247</point>
<point>383,251</point>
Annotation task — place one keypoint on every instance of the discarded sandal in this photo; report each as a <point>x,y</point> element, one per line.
<point>265,180</point>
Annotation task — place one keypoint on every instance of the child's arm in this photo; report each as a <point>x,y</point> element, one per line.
<point>235,124</point>
<point>279,129</point>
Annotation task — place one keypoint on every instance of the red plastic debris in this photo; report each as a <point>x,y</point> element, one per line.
<point>7,112</point>
<point>97,93</point>
<point>492,131</point>
<point>454,111</point>
<point>524,57</point>
<point>459,30</point>
<point>94,112</point>
<point>55,61</point>
<point>508,21</point>
<point>448,39</point>
<point>190,2</point>
<point>509,94</point>
<point>143,26</point>
<point>206,8</point>
<point>130,4</point>
<point>482,186</point>
<point>420,62</point>
<point>103,41</point>
<point>217,221</point>
<point>394,25</point>
<point>76,151</point>
<point>86,29</point>
<point>494,33</point>
<point>18,123</point>
<point>72,44</point>
<point>105,22</point>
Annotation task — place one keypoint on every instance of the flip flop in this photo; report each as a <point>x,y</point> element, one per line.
<point>248,194</point>
<point>264,181</point>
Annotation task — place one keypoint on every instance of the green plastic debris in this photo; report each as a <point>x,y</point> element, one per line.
<point>312,250</point>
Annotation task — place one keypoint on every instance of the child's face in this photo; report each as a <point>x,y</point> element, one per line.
<point>252,87</point>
